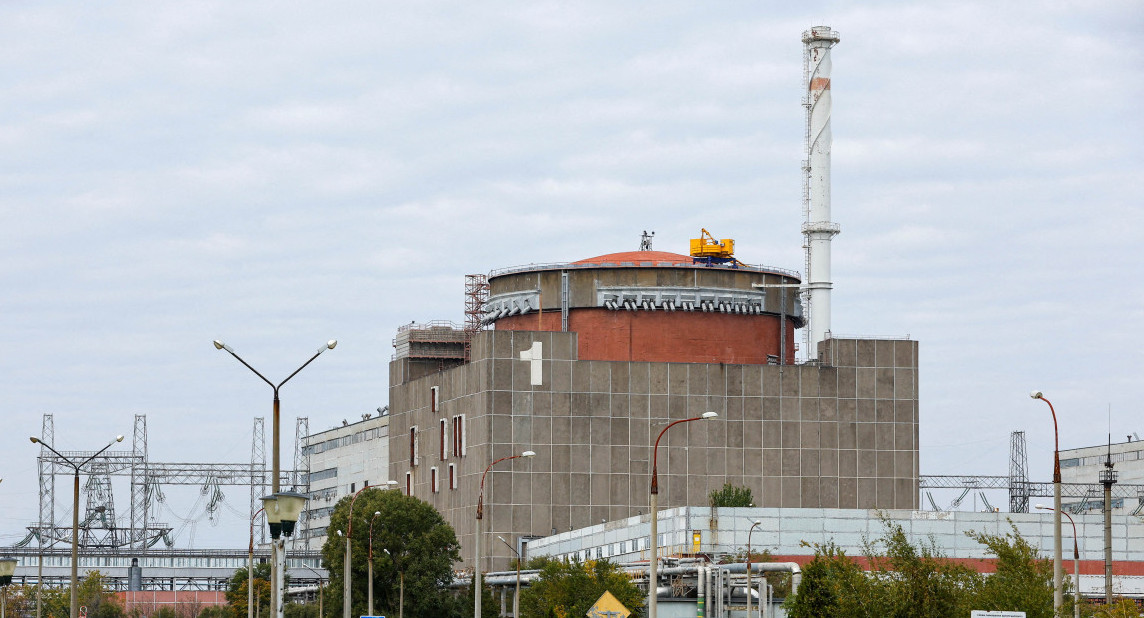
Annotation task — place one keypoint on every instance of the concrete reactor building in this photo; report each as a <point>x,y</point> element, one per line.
<point>585,362</point>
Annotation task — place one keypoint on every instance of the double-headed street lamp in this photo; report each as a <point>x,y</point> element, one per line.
<point>477,535</point>
<point>749,532</point>
<point>279,554</point>
<point>652,582</point>
<point>1076,561</point>
<point>74,612</point>
<point>1058,575</point>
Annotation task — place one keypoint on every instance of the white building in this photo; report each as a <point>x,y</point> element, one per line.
<point>343,460</point>
<point>1084,465</point>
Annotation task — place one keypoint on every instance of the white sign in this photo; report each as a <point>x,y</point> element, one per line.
<point>977,613</point>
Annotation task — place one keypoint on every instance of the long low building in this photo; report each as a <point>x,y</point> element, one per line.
<point>688,531</point>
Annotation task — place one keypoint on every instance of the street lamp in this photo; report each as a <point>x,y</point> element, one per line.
<point>282,511</point>
<point>477,535</point>
<point>7,569</point>
<point>516,595</point>
<point>653,576</point>
<point>401,584</point>
<point>1076,562</point>
<point>274,478</point>
<point>1058,574</point>
<point>74,612</point>
<point>749,532</point>
<point>370,565</point>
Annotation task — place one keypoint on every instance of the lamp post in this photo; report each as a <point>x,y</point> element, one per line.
<point>74,612</point>
<point>400,585</point>
<point>653,576</point>
<point>1076,561</point>
<point>274,467</point>
<point>477,533</point>
<point>370,565</point>
<point>7,569</point>
<point>749,532</point>
<point>516,595</point>
<point>1058,575</point>
<point>282,512</point>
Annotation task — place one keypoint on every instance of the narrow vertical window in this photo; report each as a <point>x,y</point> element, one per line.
<point>414,453</point>
<point>444,439</point>
<point>433,481</point>
<point>452,476</point>
<point>409,483</point>
<point>433,399</point>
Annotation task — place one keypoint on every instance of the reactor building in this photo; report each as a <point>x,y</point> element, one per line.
<point>585,362</point>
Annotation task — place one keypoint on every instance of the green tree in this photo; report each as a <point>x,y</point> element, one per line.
<point>410,538</point>
<point>301,610</point>
<point>237,587</point>
<point>93,594</point>
<point>731,496</point>
<point>1023,580</point>
<point>569,589</point>
<point>833,585</point>
<point>917,581</point>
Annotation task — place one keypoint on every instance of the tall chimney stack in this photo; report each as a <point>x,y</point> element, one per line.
<point>818,229</point>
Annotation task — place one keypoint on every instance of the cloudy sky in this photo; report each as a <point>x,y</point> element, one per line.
<point>277,175</point>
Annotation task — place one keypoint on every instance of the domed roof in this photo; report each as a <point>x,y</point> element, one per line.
<point>636,257</point>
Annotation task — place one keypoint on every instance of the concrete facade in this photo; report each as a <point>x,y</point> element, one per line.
<point>838,434</point>
<point>343,460</point>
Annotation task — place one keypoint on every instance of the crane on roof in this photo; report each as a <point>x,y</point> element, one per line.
<point>707,250</point>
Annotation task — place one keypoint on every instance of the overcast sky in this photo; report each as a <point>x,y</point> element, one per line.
<point>278,175</point>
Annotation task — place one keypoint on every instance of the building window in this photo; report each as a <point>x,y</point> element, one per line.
<point>459,435</point>
<point>444,439</point>
<point>452,476</point>
<point>352,488</point>
<point>409,483</point>
<point>433,399</point>
<point>413,453</point>
<point>433,482</point>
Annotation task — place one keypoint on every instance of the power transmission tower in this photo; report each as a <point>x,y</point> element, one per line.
<point>258,472</point>
<point>1018,474</point>
<point>302,484</point>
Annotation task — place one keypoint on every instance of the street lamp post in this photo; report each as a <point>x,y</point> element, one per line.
<point>749,532</point>
<point>400,584</point>
<point>653,576</point>
<point>250,568</point>
<point>74,612</point>
<point>7,570</point>
<point>1058,575</point>
<point>370,565</point>
<point>516,595</point>
<point>1076,562</point>
<point>275,458</point>
<point>477,533</point>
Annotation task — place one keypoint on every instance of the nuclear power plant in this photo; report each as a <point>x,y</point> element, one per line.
<point>543,419</point>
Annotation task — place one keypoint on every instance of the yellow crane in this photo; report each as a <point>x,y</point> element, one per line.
<point>707,249</point>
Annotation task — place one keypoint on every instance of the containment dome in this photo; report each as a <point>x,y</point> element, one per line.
<point>654,306</point>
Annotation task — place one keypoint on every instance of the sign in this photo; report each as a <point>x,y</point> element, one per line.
<point>696,541</point>
<point>977,613</point>
<point>608,606</point>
